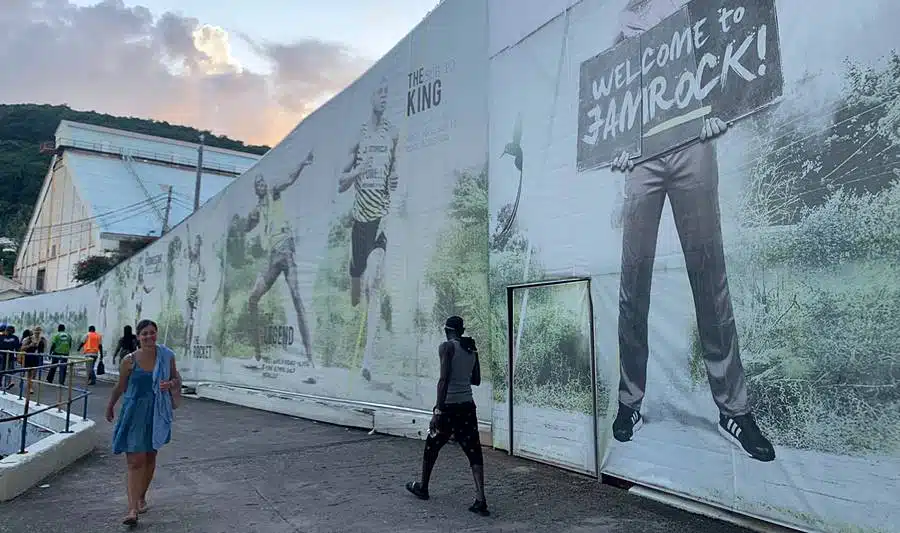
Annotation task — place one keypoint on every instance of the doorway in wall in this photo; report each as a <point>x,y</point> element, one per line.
<point>552,374</point>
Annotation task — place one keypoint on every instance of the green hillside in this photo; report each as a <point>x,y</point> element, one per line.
<point>22,167</point>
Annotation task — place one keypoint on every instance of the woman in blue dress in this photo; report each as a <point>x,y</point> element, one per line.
<point>151,386</point>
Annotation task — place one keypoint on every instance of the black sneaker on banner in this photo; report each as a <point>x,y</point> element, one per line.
<point>743,432</point>
<point>627,422</point>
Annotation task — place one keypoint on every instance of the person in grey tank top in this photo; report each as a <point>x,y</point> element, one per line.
<point>455,412</point>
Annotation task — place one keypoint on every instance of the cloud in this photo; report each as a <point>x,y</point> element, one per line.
<point>126,61</point>
<point>307,70</point>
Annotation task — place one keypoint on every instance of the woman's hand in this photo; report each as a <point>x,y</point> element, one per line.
<point>167,385</point>
<point>110,414</point>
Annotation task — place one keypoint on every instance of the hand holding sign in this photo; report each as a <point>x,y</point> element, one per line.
<point>705,66</point>
<point>712,127</point>
<point>622,162</point>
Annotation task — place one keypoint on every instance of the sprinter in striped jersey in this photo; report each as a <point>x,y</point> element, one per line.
<point>372,174</point>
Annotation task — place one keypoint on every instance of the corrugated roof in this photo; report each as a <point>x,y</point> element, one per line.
<point>108,140</point>
<point>122,202</point>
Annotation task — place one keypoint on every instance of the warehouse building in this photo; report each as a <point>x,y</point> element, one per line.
<point>108,190</point>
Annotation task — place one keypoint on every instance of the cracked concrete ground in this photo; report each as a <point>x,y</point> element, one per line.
<point>230,468</point>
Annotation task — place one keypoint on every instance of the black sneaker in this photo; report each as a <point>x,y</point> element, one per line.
<point>627,422</point>
<point>416,488</point>
<point>479,507</point>
<point>743,432</point>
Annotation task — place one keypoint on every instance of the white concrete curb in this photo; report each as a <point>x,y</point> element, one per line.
<point>20,472</point>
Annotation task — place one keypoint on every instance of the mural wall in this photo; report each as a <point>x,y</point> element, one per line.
<point>742,252</point>
<point>330,267</point>
<point>718,177</point>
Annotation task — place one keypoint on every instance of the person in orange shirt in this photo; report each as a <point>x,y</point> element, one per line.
<point>92,346</point>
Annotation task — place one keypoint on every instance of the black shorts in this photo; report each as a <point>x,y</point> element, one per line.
<point>364,239</point>
<point>33,360</point>
<point>460,421</point>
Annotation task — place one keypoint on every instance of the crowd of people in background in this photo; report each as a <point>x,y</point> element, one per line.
<point>38,358</point>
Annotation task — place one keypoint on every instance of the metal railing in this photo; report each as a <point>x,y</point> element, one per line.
<point>159,157</point>
<point>25,376</point>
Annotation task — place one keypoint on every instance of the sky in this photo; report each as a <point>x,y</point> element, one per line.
<point>249,69</point>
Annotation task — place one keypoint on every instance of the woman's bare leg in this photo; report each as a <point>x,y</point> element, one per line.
<point>149,470</point>
<point>135,483</point>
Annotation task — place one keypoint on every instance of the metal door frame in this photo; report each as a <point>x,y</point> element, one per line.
<point>510,293</point>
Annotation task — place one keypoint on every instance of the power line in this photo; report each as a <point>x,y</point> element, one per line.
<point>126,216</point>
<point>101,215</point>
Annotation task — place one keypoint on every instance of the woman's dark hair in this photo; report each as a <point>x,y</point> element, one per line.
<point>126,331</point>
<point>145,323</point>
<point>26,334</point>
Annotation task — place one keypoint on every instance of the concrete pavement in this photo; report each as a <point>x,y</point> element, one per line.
<point>230,468</point>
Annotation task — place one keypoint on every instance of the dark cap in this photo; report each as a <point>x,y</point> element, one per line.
<point>455,323</point>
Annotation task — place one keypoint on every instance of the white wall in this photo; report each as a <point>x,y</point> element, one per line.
<point>60,233</point>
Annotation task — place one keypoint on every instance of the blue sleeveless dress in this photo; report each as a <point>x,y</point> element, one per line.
<point>134,429</point>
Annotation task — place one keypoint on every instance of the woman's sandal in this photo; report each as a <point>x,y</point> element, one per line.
<point>416,488</point>
<point>479,507</point>
<point>131,519</point>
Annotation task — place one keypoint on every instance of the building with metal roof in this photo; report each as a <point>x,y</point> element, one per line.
<point>10,288</point>
<point>110,190</point>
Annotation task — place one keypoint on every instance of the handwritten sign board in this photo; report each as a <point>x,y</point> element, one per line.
<point>650,93</point>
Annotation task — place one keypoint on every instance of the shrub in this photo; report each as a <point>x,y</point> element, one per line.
<point>818,311</point>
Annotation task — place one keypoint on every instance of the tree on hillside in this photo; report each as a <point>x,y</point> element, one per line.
<point>36,123</point>
<point>23,127</point>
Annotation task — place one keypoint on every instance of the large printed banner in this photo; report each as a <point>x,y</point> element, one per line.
<point>651,91</point>
<point>743,287</point>
<point>329,267</point>
<point>723,320</point>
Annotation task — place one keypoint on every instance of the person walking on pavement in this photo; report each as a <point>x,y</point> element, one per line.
<point>127,344</point>
<point>151,385</point>
<point>92,346</point>
<point>60,346</point>
<point>455,412</point>
<point>9,348</point>
<point>34,346</point>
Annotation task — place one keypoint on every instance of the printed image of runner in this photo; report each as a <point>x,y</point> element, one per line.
<point>137,294</point>
<point>268,217</point>
<point>372,175</point>
<point>196,276</point>
<point>103,298</point>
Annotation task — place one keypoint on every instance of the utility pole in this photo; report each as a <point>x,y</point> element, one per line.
<point>199,173</point>
<point>165,228</point>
